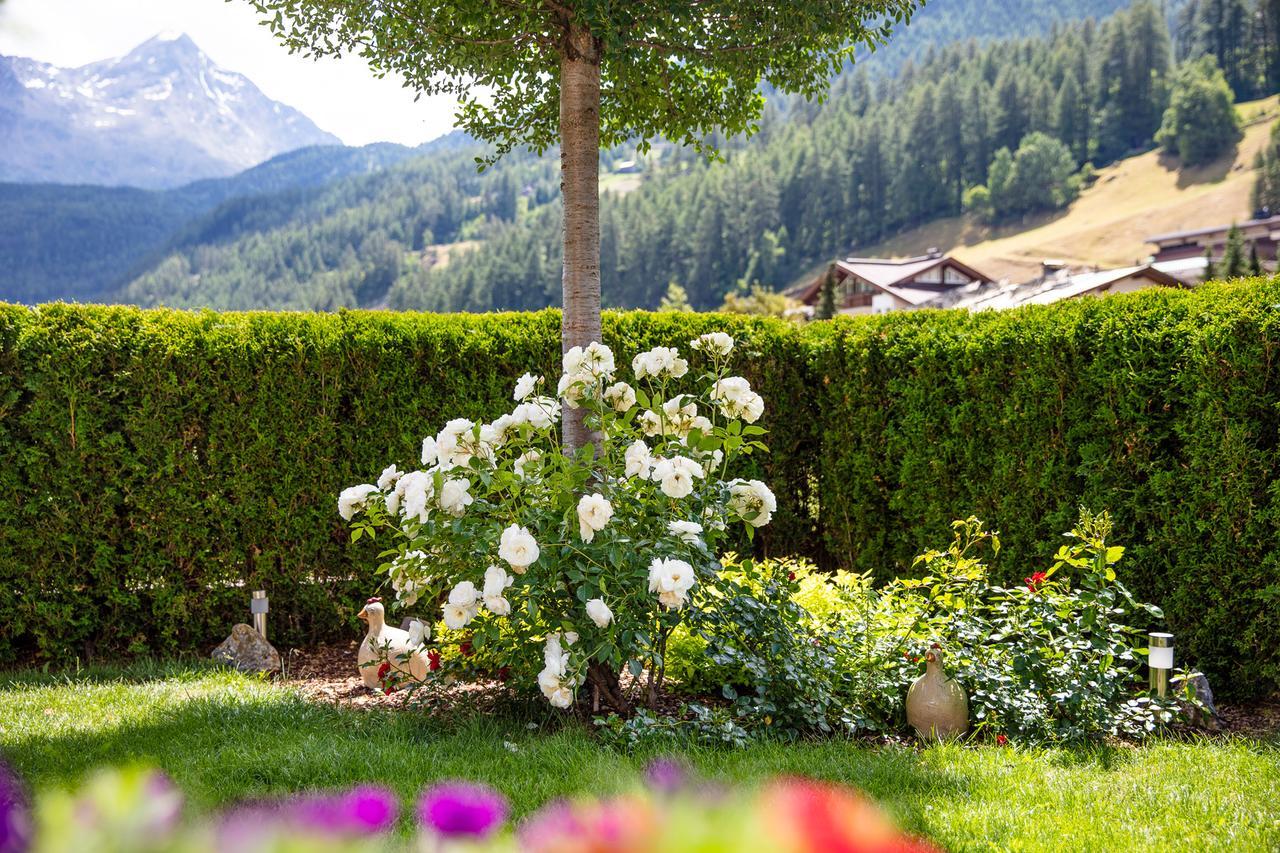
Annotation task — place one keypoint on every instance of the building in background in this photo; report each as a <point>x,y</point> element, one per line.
<point>1262,231</point>
<point>880,285</point>
<point>1056,285</point>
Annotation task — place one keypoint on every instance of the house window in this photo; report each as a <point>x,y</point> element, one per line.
<point>933,276</point>
<point>954,276</point>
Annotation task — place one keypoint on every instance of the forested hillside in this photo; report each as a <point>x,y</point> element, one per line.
<point>915,133</point>
<point>81,242</point>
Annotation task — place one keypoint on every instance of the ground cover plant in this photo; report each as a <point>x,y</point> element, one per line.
<point>224,737</point>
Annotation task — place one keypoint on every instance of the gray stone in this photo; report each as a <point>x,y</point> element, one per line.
<point>247,651</point>
<point>1201,713</point>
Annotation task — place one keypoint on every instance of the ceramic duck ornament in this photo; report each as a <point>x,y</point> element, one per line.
<point>384,644</point>
<point>936,705</point>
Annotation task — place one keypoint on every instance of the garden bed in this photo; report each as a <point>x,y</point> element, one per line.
<point>327,674</point>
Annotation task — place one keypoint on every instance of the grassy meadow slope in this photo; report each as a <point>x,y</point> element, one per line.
<point>1108,225</point>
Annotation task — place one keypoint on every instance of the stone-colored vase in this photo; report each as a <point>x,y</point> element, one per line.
<point>936,705</point>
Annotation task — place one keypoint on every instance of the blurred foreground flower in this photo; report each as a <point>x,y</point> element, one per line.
<point>138,810</point>
<point>462,810</point>
<point>15,813</point>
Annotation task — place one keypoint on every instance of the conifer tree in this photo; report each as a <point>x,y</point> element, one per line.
<point>1234,264</point>
<point>827,307</point>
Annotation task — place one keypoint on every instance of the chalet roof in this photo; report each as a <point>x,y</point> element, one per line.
<point>987,297</point>
<point>888,274</point>
<point>1200,232</point>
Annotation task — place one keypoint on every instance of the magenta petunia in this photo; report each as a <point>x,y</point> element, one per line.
<point>462,809</point>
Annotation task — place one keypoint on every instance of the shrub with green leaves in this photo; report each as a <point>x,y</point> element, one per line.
<point>1055,659</point>
<point>158,464</point>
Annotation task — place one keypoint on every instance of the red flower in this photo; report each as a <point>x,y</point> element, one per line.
<point>791,576</point>
<point>433,660</point>
<point>1001,740</point>
<point>503,673</point>
<point>465,648</point>
<point>1037,578</point>
<point>383,670</point>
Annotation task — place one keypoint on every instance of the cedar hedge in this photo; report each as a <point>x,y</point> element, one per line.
<point>158,464</point>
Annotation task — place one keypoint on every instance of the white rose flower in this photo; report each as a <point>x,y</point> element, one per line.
<point>573,388</point>
<point>414,492</point>
<point>671,580</point>
<point>556,689</point>
<point>729,388</point>
<point>454,496</point>
<point>688,531</point>
<point>525,459</point>
<point>650,423</point>
<point>675,476</point>
<point>389,477</point>
<point>554,657</point>
<point>354,499</point>
<point>752,501</point>
<point>571,362</point>
<point>524,387</point>
<point>458,615</point>
<point>638,459</point>
<point>453,442</point>
<point>713,343</point>
<point>496,581</point>
<point>570,637</point>
<point>735,398</point>
<point>497,605</point>
<point>599,612</point>
<point>659,362</point>
<point>540,412</point>
<point>594,512</point>
<point>430,453</point>
<point>463,594</point>
<point>518,548</point>
<point>680,413</point>
<point>498,430</point>
<point>621,396</point>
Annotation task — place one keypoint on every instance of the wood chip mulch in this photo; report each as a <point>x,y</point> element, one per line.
<point>328,674</point>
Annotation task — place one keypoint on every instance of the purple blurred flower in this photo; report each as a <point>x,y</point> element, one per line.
<point>367,810</point>
<point>15,813</point>
<point>666,775</point>
<point>462,809</point>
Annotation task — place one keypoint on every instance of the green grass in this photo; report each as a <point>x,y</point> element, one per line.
<point>224,737</point>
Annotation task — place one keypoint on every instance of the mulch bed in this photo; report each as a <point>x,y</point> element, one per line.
<point>328,674</point>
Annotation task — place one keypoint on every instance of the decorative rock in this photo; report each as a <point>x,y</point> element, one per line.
<point>1202,713</point>
<point>936,705</point>
<point>247,651</point>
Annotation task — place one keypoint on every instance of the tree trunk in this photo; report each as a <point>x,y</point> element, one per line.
<point>580,189</point>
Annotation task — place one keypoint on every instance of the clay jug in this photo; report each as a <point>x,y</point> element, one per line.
<point>936,705</point>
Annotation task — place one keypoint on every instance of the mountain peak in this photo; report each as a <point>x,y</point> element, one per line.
<point>162,115</point>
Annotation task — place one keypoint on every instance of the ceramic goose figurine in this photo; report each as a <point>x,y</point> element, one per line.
<point>384,644</point>
<point>936,705</point>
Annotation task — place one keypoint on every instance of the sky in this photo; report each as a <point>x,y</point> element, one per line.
<point>342,96</point>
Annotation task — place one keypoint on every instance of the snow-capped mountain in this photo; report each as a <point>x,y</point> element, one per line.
<point>161,116</point>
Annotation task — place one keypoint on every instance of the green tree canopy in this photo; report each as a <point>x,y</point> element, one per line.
<point>589,72</point>
<point>1201,122</point>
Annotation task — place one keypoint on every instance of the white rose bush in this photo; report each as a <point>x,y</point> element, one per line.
<point>583,562</point>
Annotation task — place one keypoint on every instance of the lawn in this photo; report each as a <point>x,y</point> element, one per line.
<point>224,737</point>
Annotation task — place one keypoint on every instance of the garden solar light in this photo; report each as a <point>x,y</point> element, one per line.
<point>1160,662</point>
<point>258,607</point>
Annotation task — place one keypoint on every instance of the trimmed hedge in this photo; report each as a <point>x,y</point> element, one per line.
<point>159,464</point>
